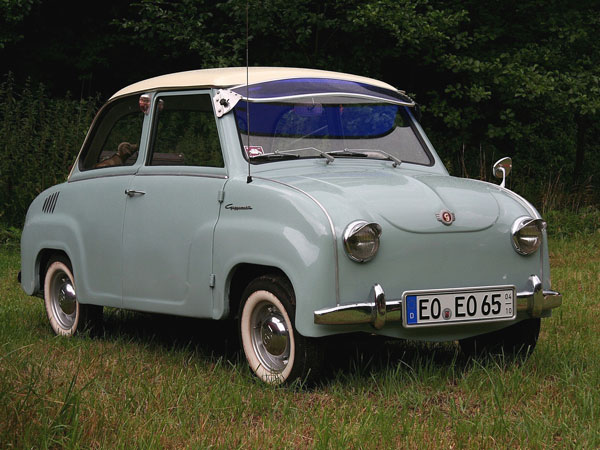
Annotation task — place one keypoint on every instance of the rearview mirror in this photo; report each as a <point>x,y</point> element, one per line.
<point>308,110</point>
<point>502,168</point>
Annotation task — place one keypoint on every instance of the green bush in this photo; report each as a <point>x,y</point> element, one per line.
<point>565,223</point>
<point>9,237</point>
<point>39,140</point>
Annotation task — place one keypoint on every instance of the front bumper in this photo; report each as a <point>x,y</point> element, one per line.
<point>377,311</point>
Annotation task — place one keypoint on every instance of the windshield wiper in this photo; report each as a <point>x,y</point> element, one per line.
<point>365,151</point>
<point>348,153</point>
<point>269,156</point>
<point>322,153</point>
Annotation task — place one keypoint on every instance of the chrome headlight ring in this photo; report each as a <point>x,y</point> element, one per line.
<point>361,240</point>
<point>526,234</point>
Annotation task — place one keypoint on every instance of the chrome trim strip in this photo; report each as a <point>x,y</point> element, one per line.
<point>331,226</point>
<point>247,98</point>
<point>345,314</point>
<point>536,300</point>
<point>377,311</point>
<point>99,175</point>
<point>378,297</point>
<point>110,175</point>
<point>524,203</point>
<point>167,174</point>
<point>327,94</point>
<point>548,299</point>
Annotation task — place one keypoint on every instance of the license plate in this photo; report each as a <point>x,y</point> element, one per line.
<point>452,306</point>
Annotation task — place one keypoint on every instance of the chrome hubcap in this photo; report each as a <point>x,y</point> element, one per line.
<point>270,337</point>
<point>64,300</point>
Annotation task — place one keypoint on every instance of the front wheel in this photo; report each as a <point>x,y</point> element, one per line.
<point>275,351</point>
<point>66,315</point>
<point>516,341</point>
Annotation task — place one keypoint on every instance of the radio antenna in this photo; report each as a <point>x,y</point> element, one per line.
<point>249,179</point>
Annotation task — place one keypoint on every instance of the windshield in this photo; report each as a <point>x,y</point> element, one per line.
<point>330,127</point>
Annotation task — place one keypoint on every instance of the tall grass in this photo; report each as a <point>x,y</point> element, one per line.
<point>159,382</point>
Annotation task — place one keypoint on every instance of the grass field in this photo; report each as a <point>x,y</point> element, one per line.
<point>157,382</point>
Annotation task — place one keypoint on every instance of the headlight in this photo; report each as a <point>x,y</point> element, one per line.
<point>361,240</point>
<point>526,234</point>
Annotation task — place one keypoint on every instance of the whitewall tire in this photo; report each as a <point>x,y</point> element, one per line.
<point>66,315</point>
<point>275,352</point>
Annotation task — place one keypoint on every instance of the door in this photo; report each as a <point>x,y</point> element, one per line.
<point>105,168</point>
<point>172,209</point>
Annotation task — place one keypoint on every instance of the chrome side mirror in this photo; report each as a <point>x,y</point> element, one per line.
<point>502,168</point>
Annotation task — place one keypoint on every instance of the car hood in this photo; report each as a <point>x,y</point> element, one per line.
<point>408,200</point>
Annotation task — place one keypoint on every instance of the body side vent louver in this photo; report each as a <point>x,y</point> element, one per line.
<point>50,203</point>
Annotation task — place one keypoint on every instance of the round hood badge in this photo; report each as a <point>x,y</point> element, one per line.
<point>445,216</point>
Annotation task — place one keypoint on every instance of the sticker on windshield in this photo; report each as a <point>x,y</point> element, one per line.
<point>254,150</point>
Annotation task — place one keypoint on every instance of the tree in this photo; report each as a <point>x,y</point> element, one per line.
<point>12,14</point>
<point>534,75</point>
<point>499,77</point>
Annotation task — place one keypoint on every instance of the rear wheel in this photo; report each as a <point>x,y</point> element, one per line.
<point>518,340</point>
<point>275,351</point>
<point>66,315</point>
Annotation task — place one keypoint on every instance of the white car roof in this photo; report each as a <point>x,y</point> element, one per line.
<point>235,76</point>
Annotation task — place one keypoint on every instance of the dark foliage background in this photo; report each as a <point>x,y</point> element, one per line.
<point>495,78</point>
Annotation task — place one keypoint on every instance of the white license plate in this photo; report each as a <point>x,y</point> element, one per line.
<point>451,306</point>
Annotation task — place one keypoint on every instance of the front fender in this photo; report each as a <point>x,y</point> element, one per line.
<point>269,224</point>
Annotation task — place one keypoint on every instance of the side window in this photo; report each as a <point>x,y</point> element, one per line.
<point>115,138</point>
<point>185,132</point>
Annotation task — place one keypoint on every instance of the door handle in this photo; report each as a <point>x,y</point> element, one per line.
<point>131,192</point>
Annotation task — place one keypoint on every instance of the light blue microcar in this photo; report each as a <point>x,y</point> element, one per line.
<point>300,203</point>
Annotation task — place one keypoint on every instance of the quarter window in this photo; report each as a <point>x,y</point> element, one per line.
<point>115,138</point>
<point>185,132</point>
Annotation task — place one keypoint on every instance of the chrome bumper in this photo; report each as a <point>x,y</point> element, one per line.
<point>376,310</point>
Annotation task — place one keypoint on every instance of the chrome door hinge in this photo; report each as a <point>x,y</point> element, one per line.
<point>224,101</point>
<point>221,196</point>
<point>212,280</point>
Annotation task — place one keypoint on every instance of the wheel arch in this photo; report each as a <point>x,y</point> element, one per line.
<point>241,275</point>
<point>44,256</point>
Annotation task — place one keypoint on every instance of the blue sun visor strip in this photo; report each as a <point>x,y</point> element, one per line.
<point>332,121</point>
<point>281,90</point>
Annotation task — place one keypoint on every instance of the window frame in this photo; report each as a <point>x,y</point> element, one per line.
<point>96,126</point>
<point>209,171</point>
